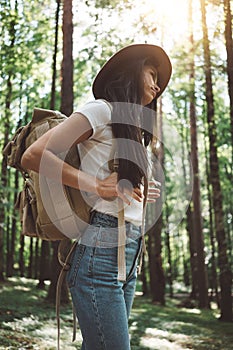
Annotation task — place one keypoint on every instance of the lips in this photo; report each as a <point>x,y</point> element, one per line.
<point>153,92</point>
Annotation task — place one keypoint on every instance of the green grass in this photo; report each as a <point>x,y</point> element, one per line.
<point>27,321</point>
<point>171,327</point>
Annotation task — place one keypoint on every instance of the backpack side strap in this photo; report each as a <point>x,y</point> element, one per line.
<point>65,267</point>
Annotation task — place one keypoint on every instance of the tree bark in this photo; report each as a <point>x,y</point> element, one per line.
<point>157,276</point>
<point>54,66</point>
<point>229,50</point>
<point>192,250</point>
<point>10,75</point>
<point>11,255</point>
<point>169,256</point>
<point>31,258</point>
<point>225,277</point>
<point>56,268</point>
<point>21,256</point>
<point>196,197</point>
<point>213,284</point>
<point>44,268</point>
<point>67,62</point>
<point>4,174</point>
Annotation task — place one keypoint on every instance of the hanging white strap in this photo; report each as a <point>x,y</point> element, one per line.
<point>121,242</point>
<point>144,251</point>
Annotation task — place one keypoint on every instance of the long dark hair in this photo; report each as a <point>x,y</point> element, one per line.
<point>128,122</point>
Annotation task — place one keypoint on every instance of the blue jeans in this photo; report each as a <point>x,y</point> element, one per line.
<point>102,303</point>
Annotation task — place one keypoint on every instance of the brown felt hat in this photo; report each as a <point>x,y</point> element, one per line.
<point>126,56</point>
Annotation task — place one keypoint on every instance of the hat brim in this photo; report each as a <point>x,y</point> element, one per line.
<point>125,57</point>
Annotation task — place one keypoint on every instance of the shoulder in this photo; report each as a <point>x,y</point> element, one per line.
<point>97,111</point>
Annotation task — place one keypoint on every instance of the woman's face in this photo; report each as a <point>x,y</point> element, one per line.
<point>150,87</point>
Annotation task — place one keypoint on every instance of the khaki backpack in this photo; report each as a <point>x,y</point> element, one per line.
<point>68,211</point>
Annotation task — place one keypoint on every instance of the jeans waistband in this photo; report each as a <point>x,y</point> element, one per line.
<point>105,220</point>
<point>103,231</point>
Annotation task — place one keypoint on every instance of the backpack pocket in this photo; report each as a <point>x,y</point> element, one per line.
<point>26,204</point>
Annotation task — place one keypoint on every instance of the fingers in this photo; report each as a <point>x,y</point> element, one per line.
<point>153,192</point>
<point>112,188</point>
<point>127,195</point>
<point>154,183</point>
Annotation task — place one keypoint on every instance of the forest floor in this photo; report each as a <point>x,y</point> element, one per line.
<point>28,321</point>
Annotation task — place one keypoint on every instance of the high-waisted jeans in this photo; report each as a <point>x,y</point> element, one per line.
<point>103,303</point>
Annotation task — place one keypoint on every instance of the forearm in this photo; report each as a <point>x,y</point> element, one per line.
<point>49,165</point>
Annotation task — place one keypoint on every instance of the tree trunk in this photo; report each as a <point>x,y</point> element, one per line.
<point>143,278</point>
<point>196,197</point>
<point>169,256</point>
<point>11,255</point>
<point>229,49</point>
<point>54,67</point>
<point>7,234</point>
<point>56,268</point>
<point>213,274</point>
<point>44,269</point>
<point>67,62</point>
<point>31,258</point>
<point>157,276</point>
<point>36,265</point>
<point>21,256</point>
<point>225,271</point>
<point>192,250</point>
<point>4,173</point>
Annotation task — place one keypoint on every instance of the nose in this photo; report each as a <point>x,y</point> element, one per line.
<point>157,88</point>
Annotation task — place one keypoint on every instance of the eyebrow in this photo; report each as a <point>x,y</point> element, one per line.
<point>152,68</point>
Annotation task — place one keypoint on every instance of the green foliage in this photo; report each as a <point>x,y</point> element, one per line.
<point>103,3</point>
<point>26,54</point>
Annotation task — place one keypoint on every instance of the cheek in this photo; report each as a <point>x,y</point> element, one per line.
<point>145,81</point>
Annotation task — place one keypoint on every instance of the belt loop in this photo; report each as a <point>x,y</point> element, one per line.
<point>93,212</point>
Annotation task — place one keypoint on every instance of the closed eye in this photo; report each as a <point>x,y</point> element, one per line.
<point>154,75</point>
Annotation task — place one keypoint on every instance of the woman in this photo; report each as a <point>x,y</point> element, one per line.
<point>110,129</point>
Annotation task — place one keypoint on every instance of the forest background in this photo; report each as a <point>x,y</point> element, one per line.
<point>50,53</point>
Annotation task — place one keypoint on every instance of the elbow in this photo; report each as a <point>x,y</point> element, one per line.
<point>29,160</point>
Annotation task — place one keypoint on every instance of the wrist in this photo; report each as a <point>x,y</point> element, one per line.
<point>98,186</point>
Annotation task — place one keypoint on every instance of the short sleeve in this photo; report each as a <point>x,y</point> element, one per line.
<point>98,113</point>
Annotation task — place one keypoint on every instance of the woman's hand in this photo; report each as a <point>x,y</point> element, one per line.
<point>110,187</point>
<point>153,191</point>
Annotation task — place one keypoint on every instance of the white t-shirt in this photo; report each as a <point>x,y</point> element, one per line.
<point>95,154</point>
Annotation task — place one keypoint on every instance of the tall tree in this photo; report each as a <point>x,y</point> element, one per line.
<point>67,61</point>
<point>225,277</point>
<point>157,276</point>
<point>229,49</point>
<point>213,276</point>
<point>197,215</point>
<point>54,70</point>
<point>10,31</point>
